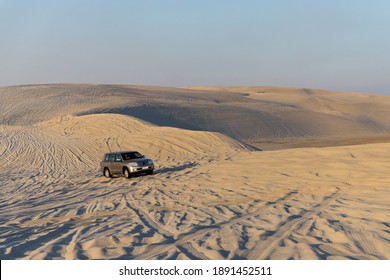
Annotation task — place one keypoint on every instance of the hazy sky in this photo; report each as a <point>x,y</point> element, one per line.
<point>328,44</point>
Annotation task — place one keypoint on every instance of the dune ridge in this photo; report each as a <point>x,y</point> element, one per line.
<point>212,196</point>
<point>254,115</point>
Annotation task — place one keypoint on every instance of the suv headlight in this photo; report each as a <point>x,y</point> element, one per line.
<point>133,163</point>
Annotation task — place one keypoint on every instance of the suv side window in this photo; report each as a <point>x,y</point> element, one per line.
<point>106,157</point>
<point>111,157</point>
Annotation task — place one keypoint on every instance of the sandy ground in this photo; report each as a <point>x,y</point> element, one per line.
<point>211,197</point>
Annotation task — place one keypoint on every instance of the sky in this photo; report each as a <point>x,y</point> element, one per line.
<point>339,45</point>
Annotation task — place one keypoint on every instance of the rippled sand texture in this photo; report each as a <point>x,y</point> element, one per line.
<point>213,195</point>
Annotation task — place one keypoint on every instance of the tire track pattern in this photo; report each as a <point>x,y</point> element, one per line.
<point>200,231</point>
<point>264,248</point>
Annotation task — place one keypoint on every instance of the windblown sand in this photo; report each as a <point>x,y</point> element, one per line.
<point>213,195</point>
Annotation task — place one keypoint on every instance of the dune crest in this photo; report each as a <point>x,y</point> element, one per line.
<point>259,116</point>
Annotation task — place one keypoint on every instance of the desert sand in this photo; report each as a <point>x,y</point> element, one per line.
<point>241,173</point>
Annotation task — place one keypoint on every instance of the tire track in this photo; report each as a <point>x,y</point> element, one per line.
<point>36,150</point>
<point>50,236</point>
<point>186,249</point>
<point>361,241</point>
<point>191,253</point>
<point>158,249</point>
<point>179,200</point>
<point>264,248</point>
<point>146,219</point>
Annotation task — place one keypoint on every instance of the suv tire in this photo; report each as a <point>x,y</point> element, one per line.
<point>127,173</point>
<point>107,173</point>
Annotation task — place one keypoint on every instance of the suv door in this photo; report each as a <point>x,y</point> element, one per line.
<point>117,164</point>
<point>110,161</point>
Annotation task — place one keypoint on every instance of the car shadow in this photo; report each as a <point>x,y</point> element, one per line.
<point>176,168</point>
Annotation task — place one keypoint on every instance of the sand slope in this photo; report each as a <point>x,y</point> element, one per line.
<point>261,116</point>
<point>211,197</point>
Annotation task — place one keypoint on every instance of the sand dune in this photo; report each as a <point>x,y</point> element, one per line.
<point>259,116</point>
<point>212,197</point>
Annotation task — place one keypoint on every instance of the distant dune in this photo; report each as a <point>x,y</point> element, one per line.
<point>260,116</point>
<point>322,193</point>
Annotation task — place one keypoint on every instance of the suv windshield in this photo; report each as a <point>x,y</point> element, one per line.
<point>131,155</point>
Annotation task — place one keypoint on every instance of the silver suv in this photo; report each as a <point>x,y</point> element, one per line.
<point>125,163</point>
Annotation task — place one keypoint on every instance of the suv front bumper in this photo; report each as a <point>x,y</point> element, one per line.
<point>140,169</point>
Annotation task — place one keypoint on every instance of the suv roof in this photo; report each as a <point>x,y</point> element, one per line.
<point>132,151</point>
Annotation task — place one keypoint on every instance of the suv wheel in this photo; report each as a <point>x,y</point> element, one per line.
<point>127,173</point>
<point>106,173</point>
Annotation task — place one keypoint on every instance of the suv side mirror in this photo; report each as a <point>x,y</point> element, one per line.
<point>119,160</point>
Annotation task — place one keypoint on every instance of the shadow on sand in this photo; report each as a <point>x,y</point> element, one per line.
<point>176,168</point>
